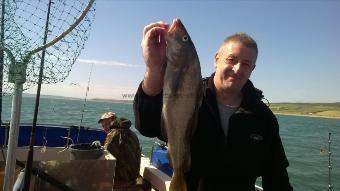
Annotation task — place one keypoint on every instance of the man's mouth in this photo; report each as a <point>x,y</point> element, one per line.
<point>232,77</point>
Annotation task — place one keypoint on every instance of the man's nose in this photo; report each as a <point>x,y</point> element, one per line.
<point>237,67</point>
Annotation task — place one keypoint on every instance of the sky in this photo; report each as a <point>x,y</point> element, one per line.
<point>299,45</point>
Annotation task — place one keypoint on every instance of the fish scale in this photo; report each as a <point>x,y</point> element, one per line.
<point>182,95</point>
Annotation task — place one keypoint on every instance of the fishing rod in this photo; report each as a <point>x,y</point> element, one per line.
<point>330,187</point>
<point>68,138</point>
<point>18,67</point>
<point>84,105</point>
<point>29,161</point>
<point>46,177</point>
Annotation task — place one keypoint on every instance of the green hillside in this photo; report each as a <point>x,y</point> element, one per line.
<point>309,109</point>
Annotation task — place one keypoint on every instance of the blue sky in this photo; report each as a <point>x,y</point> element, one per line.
<point>299,45</point>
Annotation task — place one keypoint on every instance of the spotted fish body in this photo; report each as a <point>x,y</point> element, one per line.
<point>182,95</point>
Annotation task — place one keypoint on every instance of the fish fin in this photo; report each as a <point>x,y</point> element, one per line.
<point>193,123</point>
<point>198,106</point>
<point>163,129</point>
<point>176,80</point>
<point>163,68</point>
<point>178,182</point>
<point>194,120</point>
<point>200,95</point>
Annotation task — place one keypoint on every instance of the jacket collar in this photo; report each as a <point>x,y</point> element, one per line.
<point>251,95</point>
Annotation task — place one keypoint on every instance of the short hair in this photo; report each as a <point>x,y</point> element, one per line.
<point>243,38</point>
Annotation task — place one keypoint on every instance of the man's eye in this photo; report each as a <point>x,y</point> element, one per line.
<point>231,60</point>
<point>247,64</point>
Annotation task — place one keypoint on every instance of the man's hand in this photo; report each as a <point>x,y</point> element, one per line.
<point>154,53</point>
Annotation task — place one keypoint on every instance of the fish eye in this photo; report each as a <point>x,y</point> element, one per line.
<point>185,38</point>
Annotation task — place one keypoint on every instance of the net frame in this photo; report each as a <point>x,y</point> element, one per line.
<point>17,75</point>
<point>24,40</point>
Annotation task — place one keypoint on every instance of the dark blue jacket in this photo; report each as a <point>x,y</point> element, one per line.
<point>251,149</point>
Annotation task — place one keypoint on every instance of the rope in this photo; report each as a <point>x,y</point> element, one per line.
<point>85,100</point>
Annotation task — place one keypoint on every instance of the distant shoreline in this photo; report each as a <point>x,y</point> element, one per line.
<point>302,115</point>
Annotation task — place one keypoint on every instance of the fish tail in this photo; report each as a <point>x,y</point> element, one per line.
<point>178,183</point>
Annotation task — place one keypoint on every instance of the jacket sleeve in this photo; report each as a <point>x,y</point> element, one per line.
<point>276,177</point>
<point>147,110</point>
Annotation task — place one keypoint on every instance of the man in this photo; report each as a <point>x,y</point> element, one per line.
<point>237,139</point>
<point>122,143</point>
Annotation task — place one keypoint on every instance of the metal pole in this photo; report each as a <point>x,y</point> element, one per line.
<point>29,161</point>
<point>13,137</point>
<point>17,77</point>
<point>2,38</point>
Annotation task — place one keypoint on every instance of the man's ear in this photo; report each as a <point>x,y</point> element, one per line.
<point>254,67</point>
<point>216,57</point>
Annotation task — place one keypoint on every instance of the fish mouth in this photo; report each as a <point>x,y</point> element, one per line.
<point>175,23</point>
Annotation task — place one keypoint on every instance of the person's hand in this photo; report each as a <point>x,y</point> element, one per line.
<point>154,53</point>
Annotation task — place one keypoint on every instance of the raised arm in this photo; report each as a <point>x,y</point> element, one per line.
<point>154,54</point>
<point>147,103</point>
<point>147,110</point>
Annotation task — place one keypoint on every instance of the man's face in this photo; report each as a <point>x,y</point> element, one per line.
<point>234,63</point>
<point>106,124</point>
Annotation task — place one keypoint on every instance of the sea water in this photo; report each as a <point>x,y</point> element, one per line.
<point>305,139</point>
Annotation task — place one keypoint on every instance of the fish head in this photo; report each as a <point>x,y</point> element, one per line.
<point>180,48</point>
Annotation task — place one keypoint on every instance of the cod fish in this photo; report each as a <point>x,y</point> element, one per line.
<point>182,97</point>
